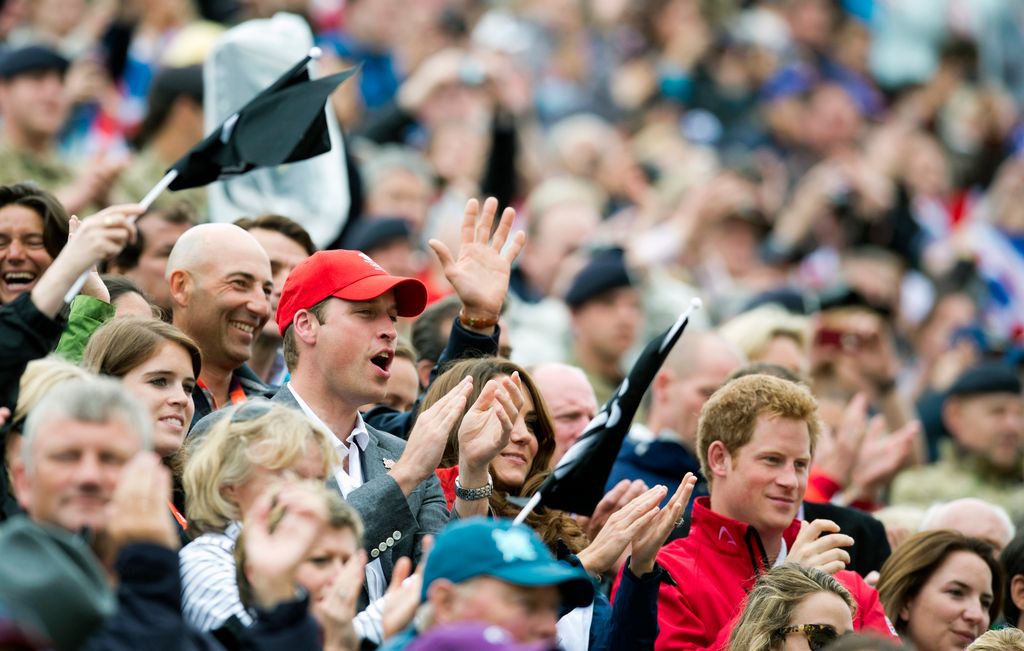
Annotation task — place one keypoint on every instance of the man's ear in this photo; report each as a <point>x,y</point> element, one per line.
<point>180,284</point>
<point>423,369</point>
<point>441,596</point>
<point>21,483</point>
<point>662,381</point>
<point>719,459</point>
<point>306,327</point>
<point>1017,595</point>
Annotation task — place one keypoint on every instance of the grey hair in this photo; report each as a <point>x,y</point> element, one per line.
<point>933,516</point>
<point>395,157</point>
<point>89,400</point>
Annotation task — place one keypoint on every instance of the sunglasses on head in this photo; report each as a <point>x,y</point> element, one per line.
<point>818,636</point>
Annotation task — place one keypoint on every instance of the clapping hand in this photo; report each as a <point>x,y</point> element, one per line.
<point>650,539</point>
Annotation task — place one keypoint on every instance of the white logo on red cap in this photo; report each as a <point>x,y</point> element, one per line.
<point>370,262</point>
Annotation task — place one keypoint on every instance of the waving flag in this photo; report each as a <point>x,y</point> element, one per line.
<point>283,124</point>
<point>577,482</point>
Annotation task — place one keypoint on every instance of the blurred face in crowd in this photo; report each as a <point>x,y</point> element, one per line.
<point>400,193</point>
<point>570,400</point>
<point>132,304</point>
<point>324,562</point>
<point>512,465</point>
<point>682,387</point>
<point>403,385</point>
<point>164,383</point>
<point>990,425</point>
<point>558,234</point>
<point>72,470</point>
<point>951,312</point>
<point>260,479</point>
<point>227,302</point>
<point>607,325</point>
<point>819,608</point>
<point>951,609</point>
<point>158,237</point>
<point>34,106</point>
<point>285,254</point>
<point>786,352</point>
<point>763,482</point>
<point>529,614</point>
<point>398,258</point>
<point>23,257</point>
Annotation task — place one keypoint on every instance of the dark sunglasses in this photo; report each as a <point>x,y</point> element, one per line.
<point>818,636</point>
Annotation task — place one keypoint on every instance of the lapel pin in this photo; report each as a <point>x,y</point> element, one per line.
<point>389,464</point>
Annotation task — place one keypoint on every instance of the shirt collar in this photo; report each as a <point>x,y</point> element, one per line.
<point>359,433</point>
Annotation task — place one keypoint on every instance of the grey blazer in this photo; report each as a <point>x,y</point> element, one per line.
<point>395,524</point>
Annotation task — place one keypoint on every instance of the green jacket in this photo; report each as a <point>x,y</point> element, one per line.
<point>960,474</point>
<point>87,314</point>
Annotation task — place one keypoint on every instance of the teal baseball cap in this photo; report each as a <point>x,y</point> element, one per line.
<point>513,553</point>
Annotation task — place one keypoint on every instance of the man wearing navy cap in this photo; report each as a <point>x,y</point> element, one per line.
<point>495,572</point>
<point>34,105</point>
<point>984,413</point>
<point>606,317</point>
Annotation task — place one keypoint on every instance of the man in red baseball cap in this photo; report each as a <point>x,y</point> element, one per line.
<point>337,315</point>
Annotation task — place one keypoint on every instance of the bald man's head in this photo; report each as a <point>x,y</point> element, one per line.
<point>570,400</point>
<point>972,517</point>
<point>700,363</point>
<point>220,283</point>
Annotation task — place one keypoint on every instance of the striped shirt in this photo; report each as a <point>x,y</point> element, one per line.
<point>209,585</point>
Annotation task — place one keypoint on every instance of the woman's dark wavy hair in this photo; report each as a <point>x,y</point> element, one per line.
<point>552,525</point>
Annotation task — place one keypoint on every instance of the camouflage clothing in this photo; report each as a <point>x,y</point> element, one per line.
<point>48,172</point>
<point>144,172</point>
<point>960,474</point>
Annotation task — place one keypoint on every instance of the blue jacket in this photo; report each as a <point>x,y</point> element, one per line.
<point>657,462</point>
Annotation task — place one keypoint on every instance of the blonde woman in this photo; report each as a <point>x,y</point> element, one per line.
<point>772,335</point>
<point>254,446</point>
<point>793,607</point>
<point>1007,639</point>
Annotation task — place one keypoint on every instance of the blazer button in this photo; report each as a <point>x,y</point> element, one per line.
<point>374,553</point>
<point>397,535</point>
<point>390,541</point>
<point>383,547</point>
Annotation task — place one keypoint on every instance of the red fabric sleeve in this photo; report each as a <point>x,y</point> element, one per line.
<point>447,478</point>
<point>821,488</point>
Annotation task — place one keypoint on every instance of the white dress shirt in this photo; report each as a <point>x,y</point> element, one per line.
<point>350,479</point>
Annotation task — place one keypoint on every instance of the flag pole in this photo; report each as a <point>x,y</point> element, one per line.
<point>146,202</point>
<point>528,509</point>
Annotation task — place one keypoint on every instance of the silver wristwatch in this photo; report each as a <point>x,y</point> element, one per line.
<point>473,494</point>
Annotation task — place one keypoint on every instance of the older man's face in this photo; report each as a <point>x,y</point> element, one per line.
<point>72,471</point>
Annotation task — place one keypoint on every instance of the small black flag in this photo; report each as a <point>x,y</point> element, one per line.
<point>283,124</point>
<point>577,482</point>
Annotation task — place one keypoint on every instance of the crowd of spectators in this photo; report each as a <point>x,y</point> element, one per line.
<point>298,408</point>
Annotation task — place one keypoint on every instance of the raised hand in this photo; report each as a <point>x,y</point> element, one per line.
<point>485,431</point>
<point>402,598</point>
<point>138,508</point>
<point>622,527</point>
<point>336,610</point>
<point>618,497</point>
<point>650,539</point>
<point>272,557</point>
<point>812,549</point>
<point>880,457</point>
<point>429,437</point>
<point>481,271</point>
<point>837,451</point>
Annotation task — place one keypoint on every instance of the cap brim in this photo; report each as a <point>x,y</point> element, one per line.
<point>574,584</point>
<point>410,293</point>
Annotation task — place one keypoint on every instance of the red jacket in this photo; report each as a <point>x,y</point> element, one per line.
<point>715,567</point>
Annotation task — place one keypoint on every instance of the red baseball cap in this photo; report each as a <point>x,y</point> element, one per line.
<point>351,275</point>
